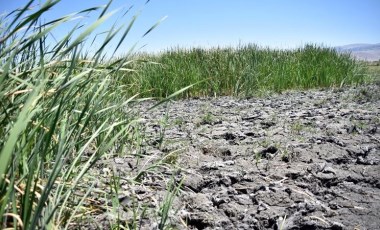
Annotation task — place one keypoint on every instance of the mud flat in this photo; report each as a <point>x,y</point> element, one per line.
<point>296,160</point>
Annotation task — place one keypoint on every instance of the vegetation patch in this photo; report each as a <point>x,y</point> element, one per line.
<point>244,71</point>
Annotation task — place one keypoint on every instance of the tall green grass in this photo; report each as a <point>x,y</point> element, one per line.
<point>244,71</point>
<point>61,109</point>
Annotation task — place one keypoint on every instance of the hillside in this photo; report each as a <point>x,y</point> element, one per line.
<point>367,52</point>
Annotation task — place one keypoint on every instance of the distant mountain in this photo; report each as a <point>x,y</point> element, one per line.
<point>367,52</point>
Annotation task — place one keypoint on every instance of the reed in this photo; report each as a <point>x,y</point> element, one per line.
<point>244,71</point>
<point>60,111</point>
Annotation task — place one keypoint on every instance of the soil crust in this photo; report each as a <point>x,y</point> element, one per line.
<point>296,160</point>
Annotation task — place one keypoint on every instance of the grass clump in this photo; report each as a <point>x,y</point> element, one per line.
<point>61,109</point>
<point>245,71</point>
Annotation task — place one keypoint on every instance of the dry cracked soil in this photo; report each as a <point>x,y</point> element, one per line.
<point>295,160</point>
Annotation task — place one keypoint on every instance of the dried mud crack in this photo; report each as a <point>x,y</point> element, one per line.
<point>297,160</point>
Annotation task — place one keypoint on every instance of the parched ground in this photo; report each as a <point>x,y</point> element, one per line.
<point>297,160</point>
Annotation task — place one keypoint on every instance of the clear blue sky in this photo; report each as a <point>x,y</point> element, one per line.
<point>273,23</point>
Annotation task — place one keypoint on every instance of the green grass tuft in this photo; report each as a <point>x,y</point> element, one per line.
<point>61,109</point>
<point>244,71</point>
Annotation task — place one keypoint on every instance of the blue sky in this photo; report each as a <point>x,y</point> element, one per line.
<point>207,23</point>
